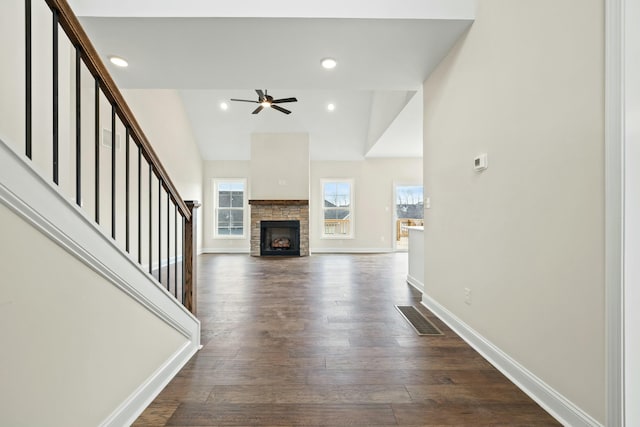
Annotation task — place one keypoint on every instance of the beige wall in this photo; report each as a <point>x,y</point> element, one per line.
<point>222,169</point>
<point>526,236</point>
<point>160,113</point>
<point>163,119</point>
<point>12,75</point>
<point>373,182</point>
<point>72,342</point>
<point>12,89</point>
<point>279,166</point>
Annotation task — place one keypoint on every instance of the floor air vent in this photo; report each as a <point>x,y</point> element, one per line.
<point>420,323</point>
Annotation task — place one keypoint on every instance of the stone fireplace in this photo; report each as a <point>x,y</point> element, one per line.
<point>279,217</point>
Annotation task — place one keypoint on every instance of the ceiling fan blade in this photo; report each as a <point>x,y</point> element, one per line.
<point>282,110</point>
<point>245,100</point>
<point>260,94</point>
<point>280,101</point>
<point>257,110</point>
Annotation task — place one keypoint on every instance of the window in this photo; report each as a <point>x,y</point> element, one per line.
<point>410,202</point>
<point>229,217</point>
<point>409,211</point>
<point>337,210</point>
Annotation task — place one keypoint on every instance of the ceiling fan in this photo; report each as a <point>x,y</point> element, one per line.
<point>266,101</point>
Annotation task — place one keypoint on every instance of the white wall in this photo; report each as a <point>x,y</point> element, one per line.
<point>525,85</point>
<point>223,169</point>
<point>279,166</point>
<point>373,185</point>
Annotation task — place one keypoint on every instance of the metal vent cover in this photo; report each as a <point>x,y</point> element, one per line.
<point>421,324</point>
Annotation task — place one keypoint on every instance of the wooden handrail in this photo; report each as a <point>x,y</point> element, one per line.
<point>78,37</point>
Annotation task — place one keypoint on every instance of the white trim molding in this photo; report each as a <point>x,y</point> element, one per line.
<point>614,211</point>
<point>226,251</point>
<point>351,250</point>
<point>629,36</point>
<point>352,227</point>
<point>553,402</point>
<point>215,182</point>
<point>134,405</point>
<point>417,284</point>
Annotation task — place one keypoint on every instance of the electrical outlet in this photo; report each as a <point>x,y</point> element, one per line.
<point>467,296</point>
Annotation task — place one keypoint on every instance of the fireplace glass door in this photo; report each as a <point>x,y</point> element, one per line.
<point>280,238</point>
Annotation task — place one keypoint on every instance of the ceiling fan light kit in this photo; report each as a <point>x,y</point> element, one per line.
<point>266,101</point>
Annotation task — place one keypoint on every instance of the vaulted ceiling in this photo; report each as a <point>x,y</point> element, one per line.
<point>216,50</point>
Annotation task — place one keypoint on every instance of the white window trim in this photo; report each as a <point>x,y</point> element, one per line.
<point>352,227</point>
<point>245,208</point>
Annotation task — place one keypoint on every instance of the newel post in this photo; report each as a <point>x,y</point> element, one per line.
<point>190,257</point>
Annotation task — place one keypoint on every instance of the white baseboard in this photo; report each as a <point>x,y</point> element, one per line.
<point>136,403</point>
<point>350,250</point>
<point>417,284</point>
<point>226,251</point>
<point>553,402</point>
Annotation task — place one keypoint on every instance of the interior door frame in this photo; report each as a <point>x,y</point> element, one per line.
<point>622,210</point>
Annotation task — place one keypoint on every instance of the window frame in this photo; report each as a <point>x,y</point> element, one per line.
<point>245,207</point>
<point>351,234</point>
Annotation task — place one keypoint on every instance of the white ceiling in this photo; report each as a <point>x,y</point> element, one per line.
<point>381,66</point>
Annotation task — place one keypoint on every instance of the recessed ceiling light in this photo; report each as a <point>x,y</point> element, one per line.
<point>331,107</point>
<point>117,61</point>
<point>224,106</point>
<point>329,63</point>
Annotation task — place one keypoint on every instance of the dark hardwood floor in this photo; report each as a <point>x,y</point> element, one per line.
<point>317,341</point>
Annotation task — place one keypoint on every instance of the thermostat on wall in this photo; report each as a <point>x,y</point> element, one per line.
<point>480,163</point>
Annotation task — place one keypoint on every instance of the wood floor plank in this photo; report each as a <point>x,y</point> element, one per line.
<point>318,341</point>
<point>190,414</point>
<point>429,413</point>
<point>298,394</point>
<point>468,393</point>
<point>385,351</point>
<point>157,414</point>
<point>407,377</point>
<point>177,392</point>
<point>417,362</point>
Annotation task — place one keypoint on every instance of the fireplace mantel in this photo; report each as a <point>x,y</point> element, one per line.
<point>279,202</point>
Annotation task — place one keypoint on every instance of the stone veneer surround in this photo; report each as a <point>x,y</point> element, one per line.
<point>279,210</point>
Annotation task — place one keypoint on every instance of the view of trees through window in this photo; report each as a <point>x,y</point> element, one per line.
<point>230,208</point>
<point>337,208</point>
<point>409,201</point>
<point>409,212</point>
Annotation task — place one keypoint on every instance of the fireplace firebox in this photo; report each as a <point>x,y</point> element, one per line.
<point>280,238</point>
